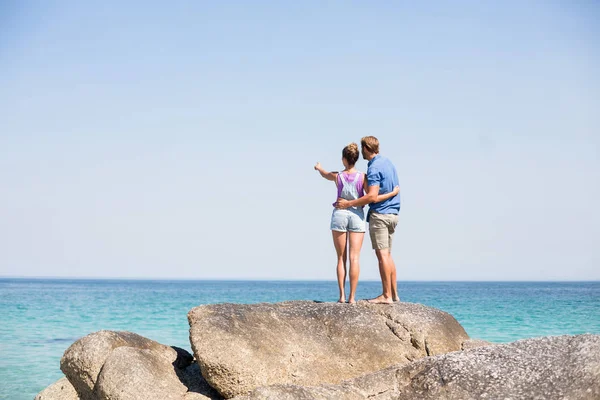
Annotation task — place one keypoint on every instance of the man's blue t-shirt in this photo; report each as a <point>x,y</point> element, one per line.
<point>382,172</point>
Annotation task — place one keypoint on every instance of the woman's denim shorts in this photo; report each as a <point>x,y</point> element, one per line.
<point>349,220</point>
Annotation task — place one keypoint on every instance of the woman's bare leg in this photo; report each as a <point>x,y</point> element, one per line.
<point>339,241</point>
<point>356,241</point>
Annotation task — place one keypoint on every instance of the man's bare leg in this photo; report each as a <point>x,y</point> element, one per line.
<point>395,296</point>
<point>339,241</point>
<point>385,271</point>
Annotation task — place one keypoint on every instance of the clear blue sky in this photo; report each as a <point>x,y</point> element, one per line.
<point>140,139</point>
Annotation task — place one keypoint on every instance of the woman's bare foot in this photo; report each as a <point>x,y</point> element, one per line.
<point>342,300</point>
<point>351,301</point>
<point>381,299</point>
<point>396,299</point>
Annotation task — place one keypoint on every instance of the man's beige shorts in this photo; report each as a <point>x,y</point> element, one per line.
<point>381,229</point>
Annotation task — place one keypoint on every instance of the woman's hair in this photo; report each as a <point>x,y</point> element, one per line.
<point>350,153</point>
<point>371,144</point>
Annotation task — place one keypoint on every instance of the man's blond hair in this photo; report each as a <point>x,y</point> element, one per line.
<point>370,143</point>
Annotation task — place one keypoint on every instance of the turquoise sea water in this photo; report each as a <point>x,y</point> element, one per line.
<point>41,318</point>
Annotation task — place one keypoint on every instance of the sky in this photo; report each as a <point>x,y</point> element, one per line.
<point>153,140</point>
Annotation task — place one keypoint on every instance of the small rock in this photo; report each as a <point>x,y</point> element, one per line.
<point>475,343</point>
<point>59,390</point>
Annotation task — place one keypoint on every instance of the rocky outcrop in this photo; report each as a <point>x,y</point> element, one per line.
<point>124,365</point>
<point>308,351</point>
<point>563,367</point>
<point>242,347</point>
<point>59,390</point>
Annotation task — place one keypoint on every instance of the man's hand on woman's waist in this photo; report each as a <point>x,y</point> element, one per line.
<point>343,203</point>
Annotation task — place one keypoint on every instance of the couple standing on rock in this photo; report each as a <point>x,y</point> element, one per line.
<point>378,188</point>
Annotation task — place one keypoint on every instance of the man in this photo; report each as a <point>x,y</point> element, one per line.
<point>382,217</point>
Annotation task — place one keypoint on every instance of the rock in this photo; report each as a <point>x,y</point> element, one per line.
<point>59,390</point>
<point>242,347</point>
<point>562,367</point>
<point>295,392</point>
<point>131,373</point>
<point>82,361</point>
<point>124,365</point>
<point>474,343</point>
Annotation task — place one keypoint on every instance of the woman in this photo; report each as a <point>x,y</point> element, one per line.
<point>348,225</point>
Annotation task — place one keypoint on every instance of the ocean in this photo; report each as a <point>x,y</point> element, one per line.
<point>40,318</point>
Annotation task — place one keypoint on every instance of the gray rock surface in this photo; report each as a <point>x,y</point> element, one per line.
<point>242,347</point>
<point>562,367</point>
<point>475,343</point>
<point>59,390</point>
<point>124,365</point>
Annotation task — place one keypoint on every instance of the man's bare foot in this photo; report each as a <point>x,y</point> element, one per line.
<point>351,301</point>
<point>396,299</point>
<point>381,299</point>
<point>342,300</point>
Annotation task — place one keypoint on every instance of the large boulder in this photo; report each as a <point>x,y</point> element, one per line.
<point>242,347</point>
<point>124,365</point>
<point>59,390</point>
<point>562,367</point>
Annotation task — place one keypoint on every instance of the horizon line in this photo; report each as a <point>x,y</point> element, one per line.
<point>83,278</point>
